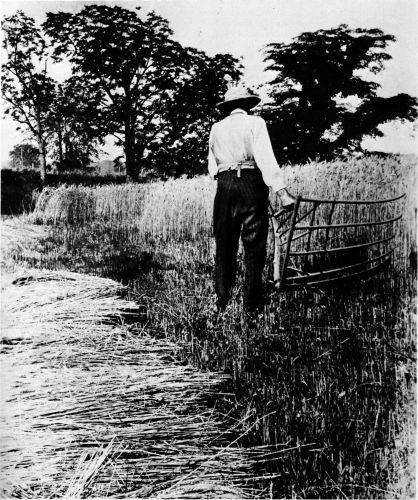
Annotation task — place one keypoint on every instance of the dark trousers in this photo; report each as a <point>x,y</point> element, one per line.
<point>240,208</point>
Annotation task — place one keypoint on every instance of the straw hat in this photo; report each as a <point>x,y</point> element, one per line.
<point>239,95</point>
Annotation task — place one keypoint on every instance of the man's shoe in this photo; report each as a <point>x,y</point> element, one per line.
<point>253,318</point>
<point>221,305</point>
<point>220,309</point>
<point>286,199</point>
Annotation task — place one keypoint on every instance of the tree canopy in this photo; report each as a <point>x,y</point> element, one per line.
<point>321,103</point>
<point>133,81</point>
<point>26,86</point>
<point>64,119</point>
<point>79,129</point>
<point>24,156</point>
<point>139,71</point>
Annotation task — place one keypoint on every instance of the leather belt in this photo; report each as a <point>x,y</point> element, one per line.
<point>238,166</point>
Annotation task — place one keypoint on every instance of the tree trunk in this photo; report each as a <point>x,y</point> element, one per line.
<point>131,170</point>
<point>42,164</point>
<point>42,150</point>
<point>130,163</point>
<point>129,146</point>
<point>60,153</point>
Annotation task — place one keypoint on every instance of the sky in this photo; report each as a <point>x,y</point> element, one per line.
<point>243,27</point>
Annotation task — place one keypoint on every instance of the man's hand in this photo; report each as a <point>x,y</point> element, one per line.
<point>286,199</point>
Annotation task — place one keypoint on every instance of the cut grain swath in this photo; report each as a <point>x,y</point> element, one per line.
<point>90,408</point>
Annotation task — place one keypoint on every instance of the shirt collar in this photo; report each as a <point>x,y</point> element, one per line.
<point>238,110</point>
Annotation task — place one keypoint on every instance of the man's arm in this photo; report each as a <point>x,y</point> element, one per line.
<point>212,164</point>
<point>265,159</point>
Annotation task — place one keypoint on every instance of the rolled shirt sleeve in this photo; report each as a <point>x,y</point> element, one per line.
<point>265,159</point>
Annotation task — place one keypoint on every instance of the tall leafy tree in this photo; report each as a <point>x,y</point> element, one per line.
<point>183,147</point>
<point>79,128</point>
<point>26,86</point>
<point>24,156</point>
<point>321,102</point>
<point>134,62</point>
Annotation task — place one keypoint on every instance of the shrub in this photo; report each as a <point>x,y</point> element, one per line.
<point>17,190</point>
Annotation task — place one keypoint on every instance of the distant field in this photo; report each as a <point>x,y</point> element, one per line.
<point>332,391</point>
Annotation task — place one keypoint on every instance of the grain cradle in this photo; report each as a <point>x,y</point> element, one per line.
<point>325,242</point>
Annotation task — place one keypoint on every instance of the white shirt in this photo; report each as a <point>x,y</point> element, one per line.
<point>241,137</point>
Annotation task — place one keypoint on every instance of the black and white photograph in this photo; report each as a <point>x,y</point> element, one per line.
<point>208,249</point>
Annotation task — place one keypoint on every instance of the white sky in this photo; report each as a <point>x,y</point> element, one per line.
<point>243,27</point>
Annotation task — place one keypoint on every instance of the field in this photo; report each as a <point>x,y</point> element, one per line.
<point>327,382</point>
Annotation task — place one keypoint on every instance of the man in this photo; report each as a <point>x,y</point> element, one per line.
<point>241,158</point>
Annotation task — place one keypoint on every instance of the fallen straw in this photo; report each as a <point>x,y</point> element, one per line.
<point>91,409</point>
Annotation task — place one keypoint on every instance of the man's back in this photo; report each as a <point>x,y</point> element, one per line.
<point>232,139</point>
<point>244,138</point>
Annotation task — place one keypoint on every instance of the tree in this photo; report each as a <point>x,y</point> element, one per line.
<point>24,156</point>
<point>78,125</point>
<point>321,104</point>
<point>134,62</point>
<point>183,148</point>
<point>26,87</point>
